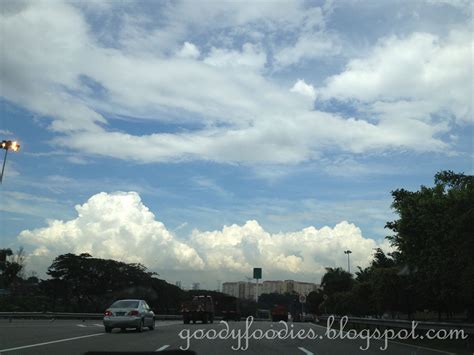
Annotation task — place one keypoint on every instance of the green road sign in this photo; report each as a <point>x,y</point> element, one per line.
<point>257,272</point>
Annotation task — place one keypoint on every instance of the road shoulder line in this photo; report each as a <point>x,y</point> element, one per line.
<point>49,342</point>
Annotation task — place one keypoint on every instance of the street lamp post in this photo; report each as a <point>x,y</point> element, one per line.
<point>7,145</point>
<point>348,252</point>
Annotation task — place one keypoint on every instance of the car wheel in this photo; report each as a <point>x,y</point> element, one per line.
<point>140,327</point>
<point>108,329</point>
<point>152,326</point>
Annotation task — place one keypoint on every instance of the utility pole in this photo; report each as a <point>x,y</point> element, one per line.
<point>348,252</point>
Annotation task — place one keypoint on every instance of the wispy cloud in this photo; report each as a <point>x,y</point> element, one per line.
<point>211,185</point>
<point>6,132</point>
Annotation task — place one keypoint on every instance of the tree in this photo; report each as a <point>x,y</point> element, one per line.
<point>434,237</point>
<point>11,266</point>
<point>314,300</point>
<point>336,280</point>
<point>81,282</point>
<point>381,260</point>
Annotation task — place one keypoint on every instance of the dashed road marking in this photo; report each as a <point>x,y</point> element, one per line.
<point>162,348</point>
<point>306,351</point>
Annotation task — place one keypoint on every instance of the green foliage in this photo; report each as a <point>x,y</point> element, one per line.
<point>314,300</point>
<point>433,265</point>
<point>336,280</point>
<point>81,282</point>
<point>11,267</point>
<point>434,237</point>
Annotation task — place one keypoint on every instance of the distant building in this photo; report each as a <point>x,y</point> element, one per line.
<point>241,289</point>
<point>178,284</point>
<point>246,290</point>
<point>288,286</point>
<point>272,287</point>
<point>304,288</point>
<point>196,286</point>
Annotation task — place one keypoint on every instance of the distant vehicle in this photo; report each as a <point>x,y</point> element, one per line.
<point>201,308</point>
<point>296,317</point>
<point>230,308</point>
<point>279,312</point>
<point>131,313</point>
<point>264,314</point>
<point>308,317</point>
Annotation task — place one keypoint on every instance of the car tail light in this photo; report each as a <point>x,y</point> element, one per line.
<point>108,313</point>
<point>133,313</point>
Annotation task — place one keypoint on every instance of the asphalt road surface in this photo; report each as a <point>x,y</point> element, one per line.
<point>77,337</point>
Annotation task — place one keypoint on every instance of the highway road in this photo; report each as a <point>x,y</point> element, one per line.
<point>77,337</point>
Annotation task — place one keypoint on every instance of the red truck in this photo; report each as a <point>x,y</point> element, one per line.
<point>230,308</point>
<point>279,312</point>
<point>201,308</point>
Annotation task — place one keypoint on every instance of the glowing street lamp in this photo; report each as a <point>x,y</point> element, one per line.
<point>8,145</point>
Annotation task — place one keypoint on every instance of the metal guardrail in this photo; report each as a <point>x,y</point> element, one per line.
<point>89,316</point>
<point>70,315</point>
<point>397,323</point>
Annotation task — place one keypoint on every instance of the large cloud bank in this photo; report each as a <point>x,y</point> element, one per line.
<point>65,66</point>
<point>119,226</point>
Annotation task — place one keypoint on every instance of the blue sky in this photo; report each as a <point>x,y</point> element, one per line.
<point>205,140</point>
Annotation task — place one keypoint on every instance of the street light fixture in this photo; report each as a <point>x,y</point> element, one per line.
<point>8,145</point>
<point>348,252</point>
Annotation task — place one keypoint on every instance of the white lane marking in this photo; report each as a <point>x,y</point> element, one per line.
<point>49,342</point>
<point>400,343</point>
<point>162,348</point>
<point>98,325</point>
<point>165,324</point>
<point>82,325</point>
<point>307,352</point>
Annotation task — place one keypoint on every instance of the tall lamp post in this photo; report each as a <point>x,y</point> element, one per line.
<point>348,252</point>
<point>7,145</point>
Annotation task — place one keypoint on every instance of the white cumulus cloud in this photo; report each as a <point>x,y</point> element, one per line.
<point>304,89</point>
<point>119,226</point>
<point>116,226</point>
<point>411,78</point>
<point>189,50</point>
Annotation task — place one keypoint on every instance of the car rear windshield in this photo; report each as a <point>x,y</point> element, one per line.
<point>125,304</point>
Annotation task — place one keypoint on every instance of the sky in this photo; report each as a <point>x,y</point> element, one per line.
<point>205,140</point>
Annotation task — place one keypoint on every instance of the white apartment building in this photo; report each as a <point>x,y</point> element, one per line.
<point>241,289</point>
<point>246,290</point>
<point>272,287</point>
<point>304,288</point>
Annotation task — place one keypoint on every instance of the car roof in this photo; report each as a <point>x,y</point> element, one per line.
<point>130,299</point>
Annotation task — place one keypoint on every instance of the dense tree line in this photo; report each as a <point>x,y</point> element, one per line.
<point>433,266</point>
<point>81,283</point>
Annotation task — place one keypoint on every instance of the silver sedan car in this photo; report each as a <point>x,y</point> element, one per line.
<point>129,314</point>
